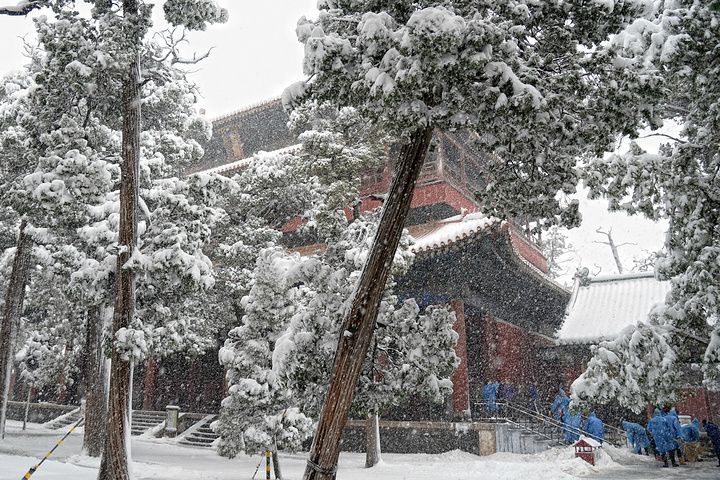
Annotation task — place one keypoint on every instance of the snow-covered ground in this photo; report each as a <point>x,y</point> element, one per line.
<point>163,460</point>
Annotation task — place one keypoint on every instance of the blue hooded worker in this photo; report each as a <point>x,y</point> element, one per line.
<point>594,428</point>
<point>691,431</point>
<point>659,427</point>
<point>489,392</point>
<point>534,397</point>
<point>637,436</point>
<point>677,434</point>
<point>572,426</point>
<point>560,405</point>
<point>691,434</point>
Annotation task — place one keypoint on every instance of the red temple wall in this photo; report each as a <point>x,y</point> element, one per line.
<point>529,252</point>
<point>509,352</point>
<point>701,404</point>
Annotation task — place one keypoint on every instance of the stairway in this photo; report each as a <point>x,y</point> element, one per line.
<point>200,434</point>
<point>64,420</point>
<point>144,420</point>
<point>519,430</point>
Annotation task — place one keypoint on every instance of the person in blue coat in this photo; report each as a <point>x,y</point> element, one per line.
<point>534,397</point>
<point>691,431</point>
<point>637,436</point>
<point>489,393</point>
<point>713,433</point>
<point>572,427</point>
<point>659,427</point>
<point>594,428</point>
<point>560,405</point>
<point>677,434</point>
<point>691,435</point>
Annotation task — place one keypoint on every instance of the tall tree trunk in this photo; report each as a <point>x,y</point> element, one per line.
<point>150,376</point>
<point>276,463</point>
<point>95,379</point>
<point>116,455</point>
<point>360,324</point>
<point>372,440</point>
<point>14,298</point>
<point>27,407</point>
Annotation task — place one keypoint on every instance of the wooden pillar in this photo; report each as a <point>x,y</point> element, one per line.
<point>460,377</point>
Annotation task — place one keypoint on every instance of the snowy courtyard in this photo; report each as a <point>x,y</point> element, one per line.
<point>162,460</point>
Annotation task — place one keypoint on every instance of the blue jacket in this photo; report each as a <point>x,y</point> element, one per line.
<point>572,428</point>
<point>489,391</point>
<point>713,433</point>
<point>534,399</point>
<point>595,428</point>
<point>675,428</point>
<point>659,427</point>
<point>691,432</point>
<point>560,405</point>
<point>637,436</point>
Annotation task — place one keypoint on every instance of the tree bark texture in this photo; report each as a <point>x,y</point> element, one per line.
<point>360,324</point>
<point>116,455</point>
<point>95,391</point>
<point>372,440</point>
<point>276,464</point>
<point>14,298</point>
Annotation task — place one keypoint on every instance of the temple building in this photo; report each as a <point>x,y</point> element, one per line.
<point>488,271</point>
<point>599,309</point>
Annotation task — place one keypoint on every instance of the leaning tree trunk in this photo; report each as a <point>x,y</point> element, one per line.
<point>360,324</point>
<point>95,390</point>
<point>116,456</point>
<point>14,298</point>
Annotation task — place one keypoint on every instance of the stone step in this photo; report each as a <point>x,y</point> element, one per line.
<point>200,436</point>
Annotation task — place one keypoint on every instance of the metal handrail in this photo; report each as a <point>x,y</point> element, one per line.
<point>531,421</point>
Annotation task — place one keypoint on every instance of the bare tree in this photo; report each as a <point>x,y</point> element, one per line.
<point>613,247</point>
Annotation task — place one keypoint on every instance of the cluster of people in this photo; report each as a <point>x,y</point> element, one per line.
<point>572,423</point>
<point>496,391</point>
<point>672,443</point>
<point>665,437</point>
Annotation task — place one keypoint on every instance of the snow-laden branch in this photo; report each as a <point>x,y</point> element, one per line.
<point>23,8</point>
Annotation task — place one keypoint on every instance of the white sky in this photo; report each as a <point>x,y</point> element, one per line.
<point>256,55</point>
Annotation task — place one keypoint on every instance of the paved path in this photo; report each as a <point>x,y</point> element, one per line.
<point>647,468</point>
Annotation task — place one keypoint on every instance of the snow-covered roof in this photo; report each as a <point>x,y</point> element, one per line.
<point>430,236</point>
<point>590,441</point>
<point>601,308</point>
<point>234,167</point>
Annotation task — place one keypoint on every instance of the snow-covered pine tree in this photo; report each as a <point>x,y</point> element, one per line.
<point>555,245</point>
<point>279,361</point>
<point>673,51</point>
<point>316,184</point>
<point>117,57</point>
<point>523,74</point>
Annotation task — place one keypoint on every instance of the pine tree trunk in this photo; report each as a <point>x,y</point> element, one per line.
<point>14,298</point>
<point>95,391</point>
<point>372,440</point>
<point>360,324</point>
<point>276,464</point>
<point>116,455</point>
<point>27,407</point>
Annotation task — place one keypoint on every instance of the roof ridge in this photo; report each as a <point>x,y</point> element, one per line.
<point>246,109</point>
